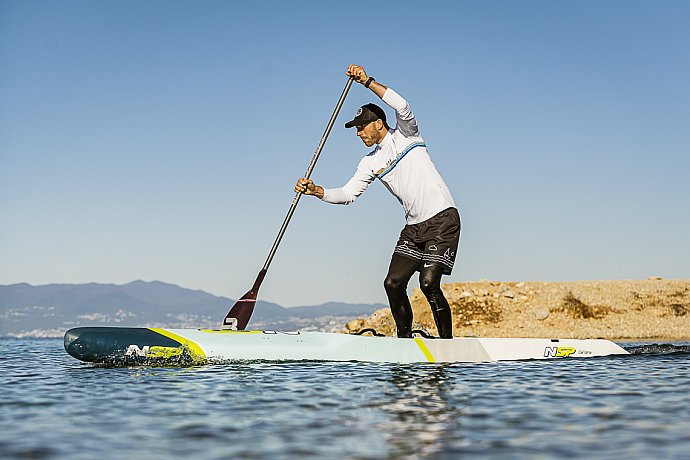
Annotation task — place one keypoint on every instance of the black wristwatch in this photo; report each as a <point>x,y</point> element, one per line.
<point>369,80</point>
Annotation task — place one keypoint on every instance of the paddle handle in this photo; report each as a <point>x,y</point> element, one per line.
<point>298,195</point>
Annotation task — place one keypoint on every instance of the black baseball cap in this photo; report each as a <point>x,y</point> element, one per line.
<point>366,114</point>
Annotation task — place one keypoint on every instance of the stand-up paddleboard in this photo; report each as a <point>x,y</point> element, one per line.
<point>155,346</point>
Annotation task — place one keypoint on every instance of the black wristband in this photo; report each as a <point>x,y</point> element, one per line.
<point>369,80</point>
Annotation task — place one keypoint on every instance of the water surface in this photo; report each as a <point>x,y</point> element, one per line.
<point>53,406</point>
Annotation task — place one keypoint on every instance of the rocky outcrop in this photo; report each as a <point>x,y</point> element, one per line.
<point>631,309</point>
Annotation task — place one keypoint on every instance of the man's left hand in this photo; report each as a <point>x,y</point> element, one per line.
<point>358,72</point>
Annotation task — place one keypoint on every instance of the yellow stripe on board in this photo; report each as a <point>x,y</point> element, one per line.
<point>194,349</point>
<point>425,350</point>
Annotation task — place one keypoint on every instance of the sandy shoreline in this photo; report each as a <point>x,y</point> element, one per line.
<point>627,310</point>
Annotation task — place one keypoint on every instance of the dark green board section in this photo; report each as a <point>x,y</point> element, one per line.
<point>110,344</point>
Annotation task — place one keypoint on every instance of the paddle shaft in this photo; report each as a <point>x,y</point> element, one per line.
<point>298,195</point>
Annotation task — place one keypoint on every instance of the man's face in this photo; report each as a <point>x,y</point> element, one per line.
<point>369,133</point>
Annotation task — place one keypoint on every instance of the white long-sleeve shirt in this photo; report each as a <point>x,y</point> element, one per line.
<point>403,164</point>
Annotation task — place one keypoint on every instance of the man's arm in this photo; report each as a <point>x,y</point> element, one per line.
<point>346,194</point>
<point>406,121</point>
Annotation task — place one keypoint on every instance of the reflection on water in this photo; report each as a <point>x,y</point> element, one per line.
<point>632,406</point>
<point>421,417</point>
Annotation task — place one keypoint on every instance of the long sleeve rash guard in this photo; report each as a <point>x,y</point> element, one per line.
<point>403,165</point>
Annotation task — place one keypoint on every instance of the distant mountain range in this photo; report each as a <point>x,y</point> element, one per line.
<point>49,310</point>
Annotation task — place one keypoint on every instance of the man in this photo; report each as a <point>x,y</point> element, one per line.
<point>429,241</point>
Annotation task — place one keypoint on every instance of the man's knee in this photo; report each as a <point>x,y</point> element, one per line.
<point>399,274</point>
<point>430,283</point>
<point>394,284</point>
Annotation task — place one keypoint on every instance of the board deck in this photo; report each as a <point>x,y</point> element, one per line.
<point>157,346</point>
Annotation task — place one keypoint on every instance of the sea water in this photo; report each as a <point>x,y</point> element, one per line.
<point>52,406</point>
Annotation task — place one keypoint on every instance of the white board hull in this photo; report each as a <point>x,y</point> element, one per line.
<point>113,344</point>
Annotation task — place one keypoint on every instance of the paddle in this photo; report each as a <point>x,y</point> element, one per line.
<point>241,312</point>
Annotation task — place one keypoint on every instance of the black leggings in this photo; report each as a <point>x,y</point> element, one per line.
<point>399,273</point>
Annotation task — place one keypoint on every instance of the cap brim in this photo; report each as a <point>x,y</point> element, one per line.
<point>361,120</point>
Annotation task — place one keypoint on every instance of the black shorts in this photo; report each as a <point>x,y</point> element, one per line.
<point>432,242</point>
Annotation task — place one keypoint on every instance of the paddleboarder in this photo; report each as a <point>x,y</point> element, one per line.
<point>428,242</point>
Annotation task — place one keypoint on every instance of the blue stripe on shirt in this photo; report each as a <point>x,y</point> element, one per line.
<point>400,157</point>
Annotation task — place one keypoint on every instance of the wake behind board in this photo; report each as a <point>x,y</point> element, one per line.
<point>156,346</point>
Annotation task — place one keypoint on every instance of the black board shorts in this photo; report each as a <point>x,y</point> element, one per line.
<point>432,242</point>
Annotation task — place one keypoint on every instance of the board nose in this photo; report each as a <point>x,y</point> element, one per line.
<point>88,343</point>
<point>72,344</point>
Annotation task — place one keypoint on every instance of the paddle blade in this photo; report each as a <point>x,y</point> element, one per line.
<point>240,313</point>
<point>244,307</point>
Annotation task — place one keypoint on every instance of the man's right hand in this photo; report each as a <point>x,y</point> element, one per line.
<point>308,187</point>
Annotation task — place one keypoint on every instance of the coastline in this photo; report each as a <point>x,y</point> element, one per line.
<point>621,310</point>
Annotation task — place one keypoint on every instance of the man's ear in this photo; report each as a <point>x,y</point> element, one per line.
<point>379,124</point>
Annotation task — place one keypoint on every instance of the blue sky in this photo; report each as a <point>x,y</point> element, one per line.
<point>160,140</point>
